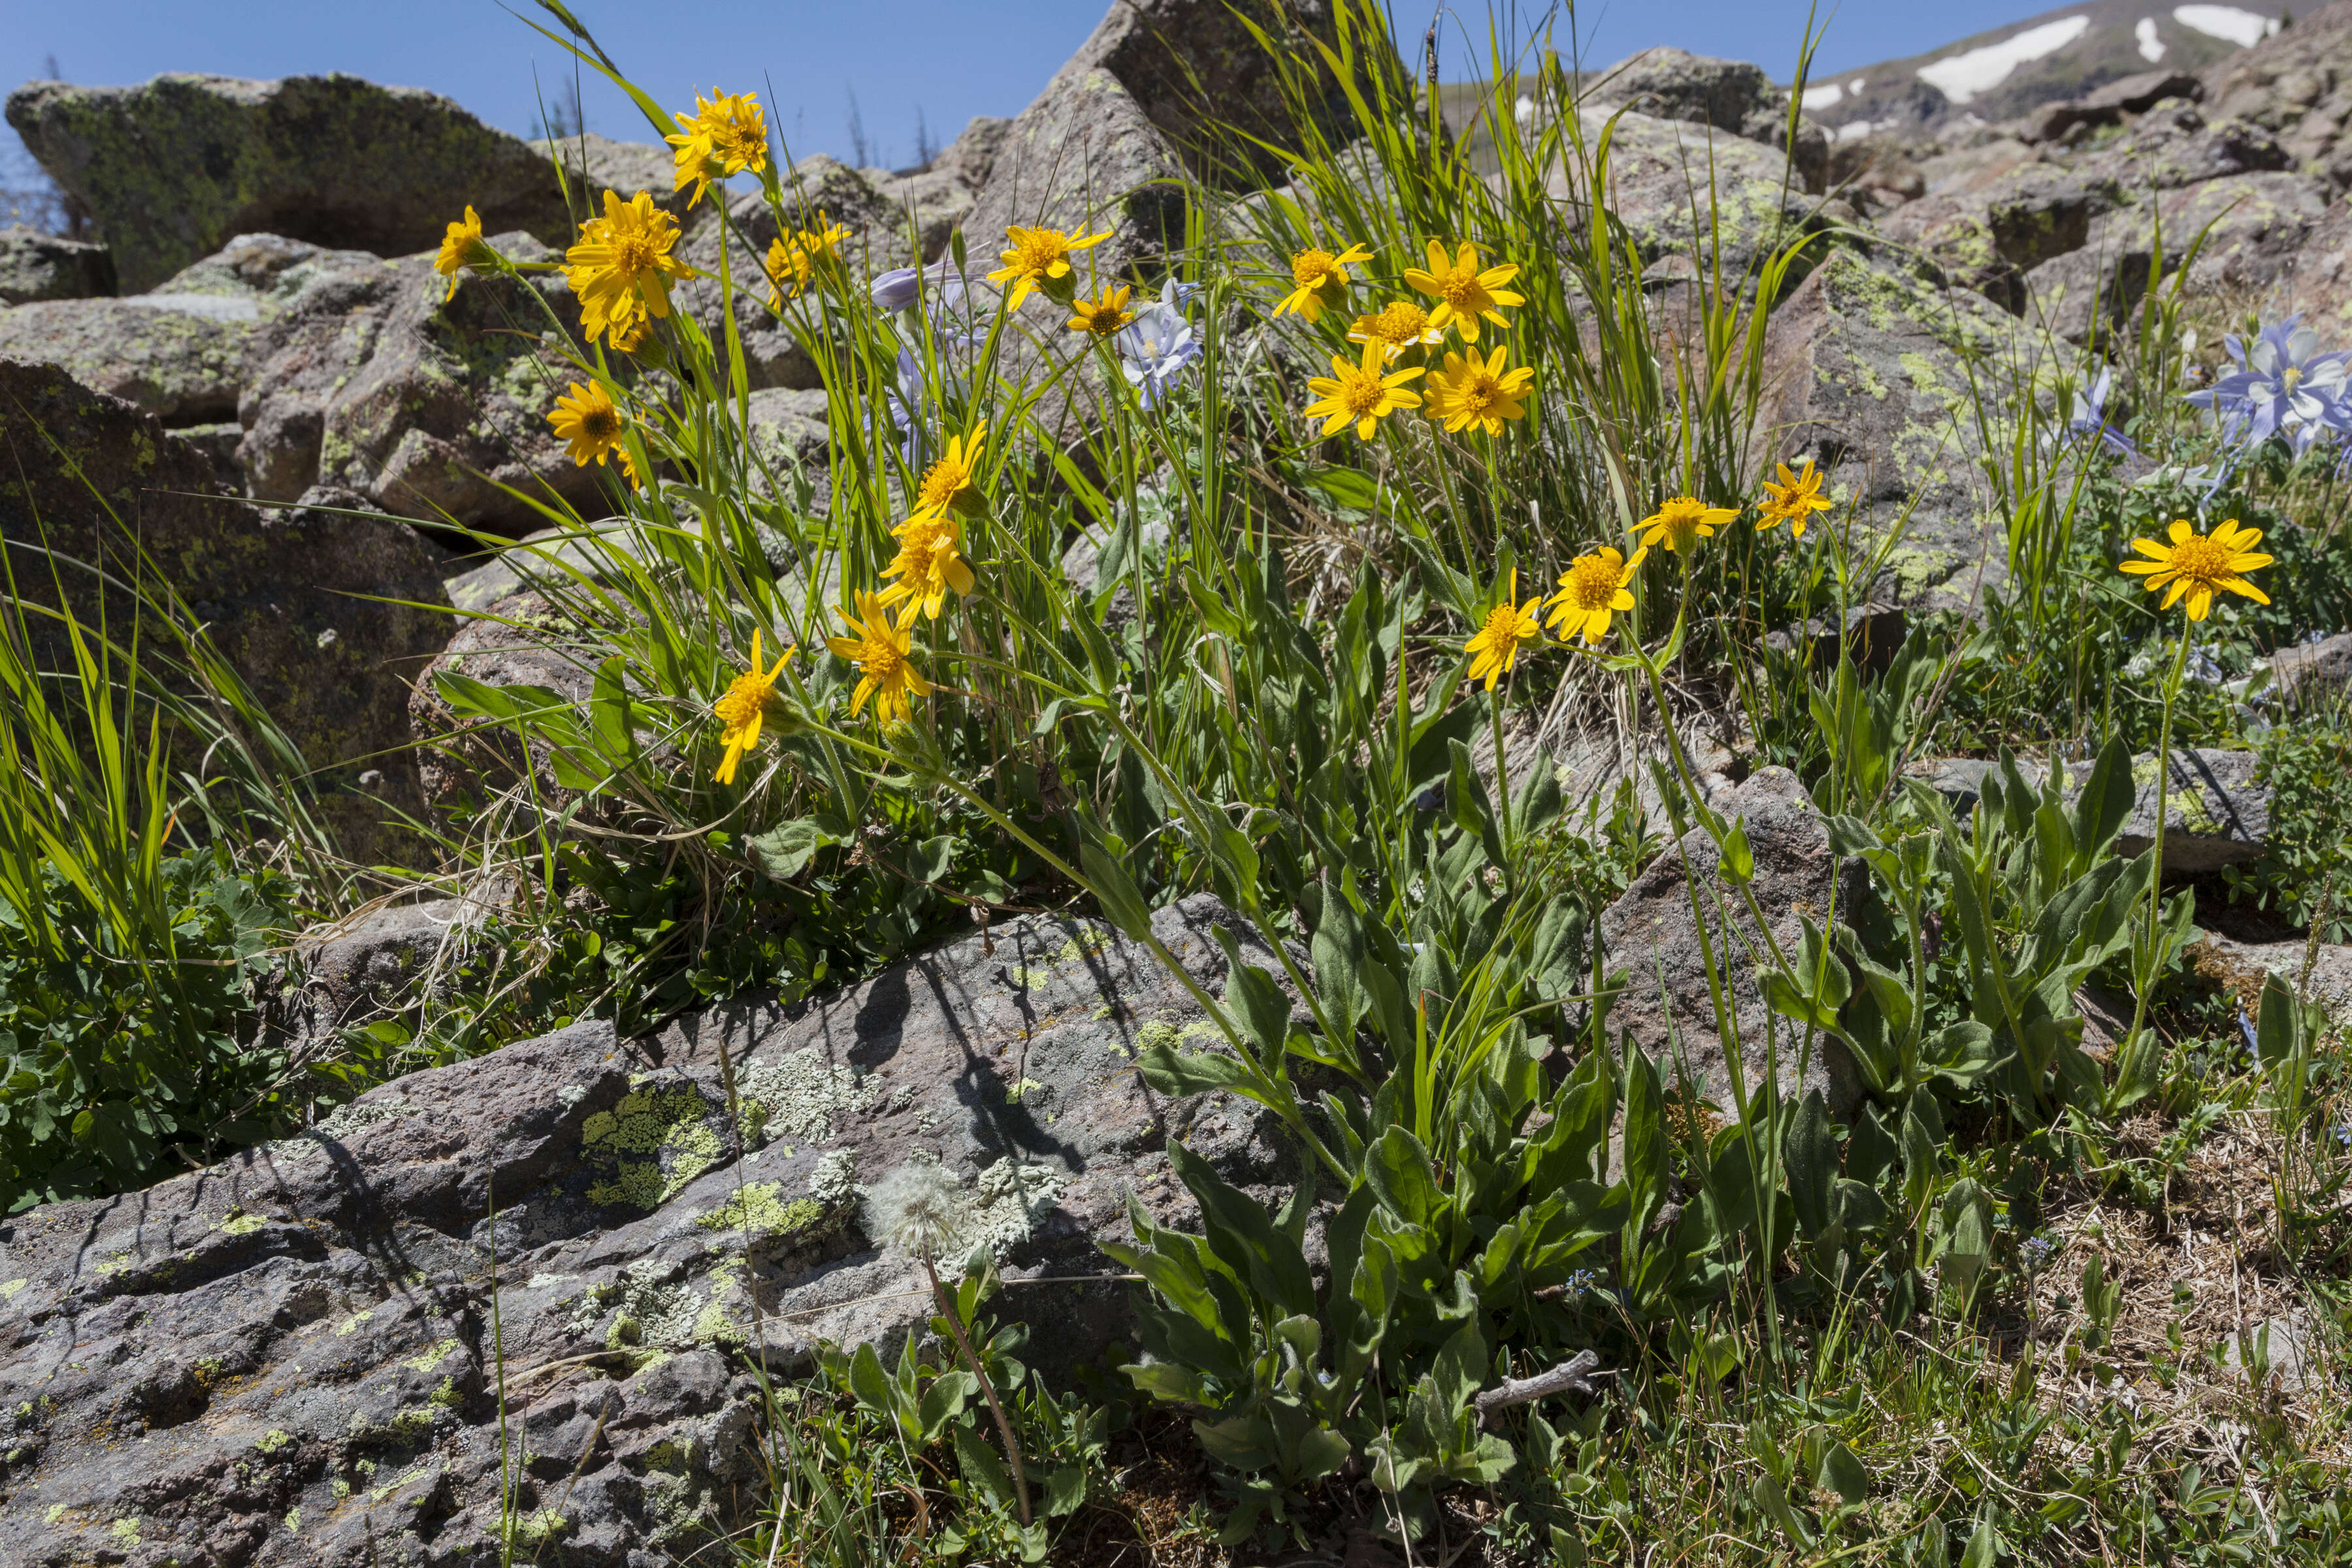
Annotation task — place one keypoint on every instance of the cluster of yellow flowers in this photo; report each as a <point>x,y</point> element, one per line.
<point>1465,390</point>
<point>1598,586</point>
<point>795,257</point>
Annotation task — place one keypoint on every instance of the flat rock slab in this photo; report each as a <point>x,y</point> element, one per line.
<point>1652,934</point>
<point>2216,814</point>
<point>289,1357</point>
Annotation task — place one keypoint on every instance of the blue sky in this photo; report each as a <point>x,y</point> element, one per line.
<point>948,61</point>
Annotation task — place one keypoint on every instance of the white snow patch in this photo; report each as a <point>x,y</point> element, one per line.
<point>2151,48</point>
<point>1963,75</point>
<point>1856,85</point>
<point>1524,111</point>
<point>2244,28</point>
<point>1853,130</point>
<point>1823,96</point>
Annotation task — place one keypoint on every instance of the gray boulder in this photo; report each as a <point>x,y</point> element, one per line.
<point>2320,972</point>
<point>178,352</point>
<point>174,168</point>
<point>1649,933</point>
<point>299,1344</point>
<point>380,381</point>
<point>36,266</point>
<point>1668,83</point>
<point>2217,813</point>
<point>281,593</point>
<point>518,640</point>
<point>2297,83</point>
<point>2312,674</point>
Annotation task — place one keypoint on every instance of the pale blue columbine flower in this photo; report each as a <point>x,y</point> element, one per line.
<point>906,400</point>
<point>897,288</point>
<point>2090,416</point>
<point>1159,343</point>
<point>2283,386</point>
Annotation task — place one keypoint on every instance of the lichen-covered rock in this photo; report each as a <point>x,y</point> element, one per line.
<point>1649,933</point>
<point>178,350</point>
<point>285,594</point>
<point>173,168</point>
<point>380,381</point>
<point>297,1344</point>
<point>36,266</point>
<point>1862,374</point>
<point>2319,972</point>
<point>2217,813</point>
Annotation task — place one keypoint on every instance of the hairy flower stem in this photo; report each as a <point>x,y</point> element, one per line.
<point>987,1388</point>
<point>2128,1060</point>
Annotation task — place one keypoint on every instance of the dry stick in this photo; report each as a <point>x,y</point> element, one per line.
<point>1004,1428</point>
<point>1573,1375</point>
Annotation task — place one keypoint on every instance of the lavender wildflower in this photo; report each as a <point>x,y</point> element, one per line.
<point>2090,416</point>
<point>1158,344</point>
<point>2283,386</point>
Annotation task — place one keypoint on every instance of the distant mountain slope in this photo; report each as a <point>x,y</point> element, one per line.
<point>2064,53</point>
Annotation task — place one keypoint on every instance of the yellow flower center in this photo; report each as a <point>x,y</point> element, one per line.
<point>1360,393</point>
<point>1460,290</point>
<point>1502,628</point>
<point>941,482</point>
<point>878,657</point>
<point>601,426</point>
<point>2290,376</point>
<point>1038,250</point>
<point>1312,269</point>
<point>1593,581</point>
<point>1402,322</point>
<point>1477,391</point>
<point>636,254</point>
<point>2202,558</point>
<point>743,699</point>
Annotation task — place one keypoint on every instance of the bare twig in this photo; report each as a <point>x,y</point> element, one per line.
<point>1573,1375</point>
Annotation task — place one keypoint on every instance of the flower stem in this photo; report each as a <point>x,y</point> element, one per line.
<point>988,1389</point>
<point>2128,1059</point>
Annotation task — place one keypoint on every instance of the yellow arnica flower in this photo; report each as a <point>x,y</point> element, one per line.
<point>1361,395</point>
<point>1400,325</point>
<point>952,484</point>
<point>621,266</point>
<point>2196,565</point>
<point>1039,259</point>
<point>743,706</point>
<point>1593,588</point>
<point>1463,292</point>
<point>590,426</point>
<point>462,246</point>
<point>880,650</point>
<point>1683,523</point>
<point>727,134</point>
<point>1795,498</point>
<point>929,561</point>
<point>1103,314</point>
<point>1509,626</point>
<point>794,257</point>
<point>1480,392</point>
<point>1317,278</point>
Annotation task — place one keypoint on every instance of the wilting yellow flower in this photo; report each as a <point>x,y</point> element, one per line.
<point>627,336</point>
<point>929,561</point>
<point>743,706</point>
<point>795,256</point>
<point>1103,314</point>
<point>1476,391</point>
<point>1509,626</point>
<point>1593,588</point>
<point>1683,523</point>
<point>1795,498</point>
<point>461,247</point>
<point>590,426</point>
<point>1399,325</point>
<point>1317,278</point>
<point>727,134</point>
<point>621,266</point>
<point>2197,565</point>
<point>1360,395</point>
<point>952,484</point>
<point>1039,259</point>
<point>1463,292</point>
<point>880,651</point>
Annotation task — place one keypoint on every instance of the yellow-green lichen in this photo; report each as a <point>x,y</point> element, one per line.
<point>269,1442</point>
<point>11,1288</point>
<point>240,1223</point>
<point>125,1531</point>
<point>537,1530</point>
<point>434,1357</point>
<point>759,1211</point>
<point>665,1123</point>
<point>294,1518</point>
<point>351,1323</point>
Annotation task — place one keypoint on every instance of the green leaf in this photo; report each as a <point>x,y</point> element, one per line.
<point>785,850</point>
<point>980,1466</point>
<point>1842,1472</point>
<point>1175,1072</point>
<point>871,1384</point>
<point>1066,1489</point>
<point>1813,1158</point>
<point>1738,858</point>
<point>1115,890</point>
<point>1399,1171</point>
